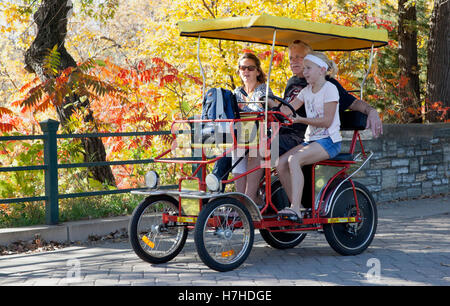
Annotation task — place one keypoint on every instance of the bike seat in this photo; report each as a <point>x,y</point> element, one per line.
<point>353,120</point>
<point>343,157</point>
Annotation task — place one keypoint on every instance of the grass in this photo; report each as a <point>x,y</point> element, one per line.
<point>33,213</point>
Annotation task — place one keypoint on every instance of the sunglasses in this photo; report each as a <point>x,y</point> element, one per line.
<point>250,68</point>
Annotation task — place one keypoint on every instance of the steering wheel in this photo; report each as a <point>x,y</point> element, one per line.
<point>282,101</point>
<point>281,118</point>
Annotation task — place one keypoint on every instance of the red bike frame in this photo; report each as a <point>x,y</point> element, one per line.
<point>272,223</point>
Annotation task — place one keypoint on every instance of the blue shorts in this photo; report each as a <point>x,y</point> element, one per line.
<point>332,148</point>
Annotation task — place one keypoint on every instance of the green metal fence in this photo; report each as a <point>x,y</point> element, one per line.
<point>49,128</point>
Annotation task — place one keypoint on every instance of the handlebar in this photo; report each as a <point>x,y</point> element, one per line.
<point>282,101</point>
<point>280,116</point>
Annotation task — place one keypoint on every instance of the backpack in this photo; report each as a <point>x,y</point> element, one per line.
<point>218,103</point>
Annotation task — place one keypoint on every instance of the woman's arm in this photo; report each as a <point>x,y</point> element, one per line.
<point>329,109</point>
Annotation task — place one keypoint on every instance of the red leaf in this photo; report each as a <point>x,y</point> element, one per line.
<point>4,110</point>
<point>264,55</point>
<point>6,127</point>
<point>141,66</point>
<point>278,58</point>
<point>403,81</point>
<point>123,74</point>
<point>167,79</point>
<point>28,85</point>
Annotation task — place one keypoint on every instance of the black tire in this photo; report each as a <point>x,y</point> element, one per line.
<point>281,240</point>
<point>151,239</point>
<point>351,238</point>
<point>222,244</point>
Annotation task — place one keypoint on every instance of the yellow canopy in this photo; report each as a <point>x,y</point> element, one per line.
<point>259,29</point>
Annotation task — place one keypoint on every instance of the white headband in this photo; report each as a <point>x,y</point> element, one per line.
<point>316,60</point>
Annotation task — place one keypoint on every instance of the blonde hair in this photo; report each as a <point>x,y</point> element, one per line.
<point>332,68</point>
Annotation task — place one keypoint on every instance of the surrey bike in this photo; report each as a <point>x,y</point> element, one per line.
<point>224,222</point>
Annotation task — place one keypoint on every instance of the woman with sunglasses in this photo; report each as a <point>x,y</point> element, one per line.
<point>254,83</point>
<point>253,89</point>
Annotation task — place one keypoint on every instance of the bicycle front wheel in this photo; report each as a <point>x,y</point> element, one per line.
<point>152,239</point>
<point>224,234</point>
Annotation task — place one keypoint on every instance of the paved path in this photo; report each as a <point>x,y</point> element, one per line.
<point>411,247</point>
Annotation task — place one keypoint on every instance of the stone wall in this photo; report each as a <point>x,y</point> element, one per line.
<point>409,161</point>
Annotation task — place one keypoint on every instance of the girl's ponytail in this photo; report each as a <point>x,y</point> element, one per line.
<point>332,67</point>
<point>332,71</point>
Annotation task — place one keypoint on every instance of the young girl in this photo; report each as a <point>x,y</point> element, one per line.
<point>322,137</point>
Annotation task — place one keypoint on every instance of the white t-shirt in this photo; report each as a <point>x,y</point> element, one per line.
<point>314,105</point>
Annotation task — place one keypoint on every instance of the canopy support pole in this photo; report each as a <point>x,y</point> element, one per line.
<point>202,72</point>
<point>367,73</point>
<point>264,128</point>
<point>268,77</point>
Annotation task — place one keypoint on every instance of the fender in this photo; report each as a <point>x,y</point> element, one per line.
<point>244,199</point>
<point>328,197</point>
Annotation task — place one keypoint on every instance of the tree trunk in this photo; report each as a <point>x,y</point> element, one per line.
<point>438,72</point>
<point>409,87</point>
<point>51,20</point>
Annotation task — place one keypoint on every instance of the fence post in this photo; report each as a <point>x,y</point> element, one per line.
<point>49,128</point>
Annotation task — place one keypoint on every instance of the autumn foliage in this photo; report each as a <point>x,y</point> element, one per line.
<point>121,99</point>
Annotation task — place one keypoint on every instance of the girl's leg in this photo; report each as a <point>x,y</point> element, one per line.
<point>284,172</point>
<point>310,154</point>
<point>240,183</point>
<point>253,179</point>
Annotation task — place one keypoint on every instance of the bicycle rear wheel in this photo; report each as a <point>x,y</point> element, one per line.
<point>352,238</point>
<point>280,240</point>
